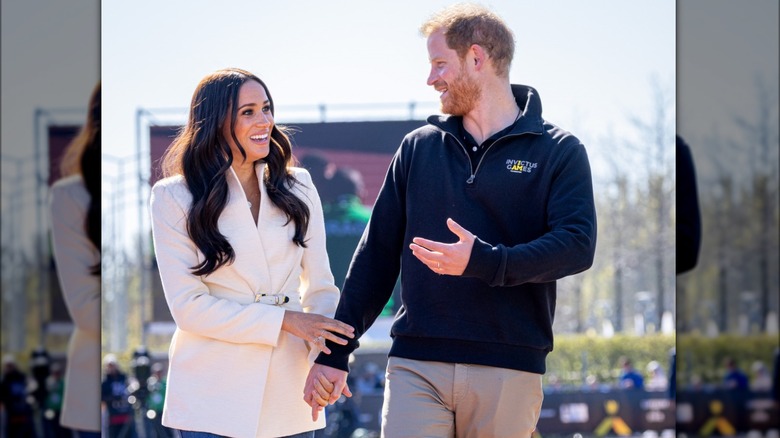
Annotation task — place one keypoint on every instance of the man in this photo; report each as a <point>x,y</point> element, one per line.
<point>734,378</point>
<point>629,378</point>
<point>481,211</point>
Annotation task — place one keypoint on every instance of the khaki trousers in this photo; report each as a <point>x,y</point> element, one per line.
<point>447,400</point>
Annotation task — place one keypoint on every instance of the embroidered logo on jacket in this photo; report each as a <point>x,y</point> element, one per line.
<point>520,166</point>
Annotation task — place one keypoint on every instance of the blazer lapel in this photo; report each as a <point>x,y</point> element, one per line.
<point>281,253</point>
<point>237,225</point>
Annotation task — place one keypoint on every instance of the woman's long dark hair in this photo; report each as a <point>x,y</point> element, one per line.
<point>83,157</point>
<point>202,155</point>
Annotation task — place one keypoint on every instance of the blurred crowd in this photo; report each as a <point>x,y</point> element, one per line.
<point>132,403</point>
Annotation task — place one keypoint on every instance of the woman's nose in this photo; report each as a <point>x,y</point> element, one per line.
<point>264,119</point>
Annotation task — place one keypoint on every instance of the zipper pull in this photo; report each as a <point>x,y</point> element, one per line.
<point>470,180</point>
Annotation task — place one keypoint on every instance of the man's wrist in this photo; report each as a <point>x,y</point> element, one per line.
<point>333,360</point>
<point>484,261</point>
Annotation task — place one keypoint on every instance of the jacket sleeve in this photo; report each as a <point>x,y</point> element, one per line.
<point>319,293</point>
<point>75,254</point>
<point>375,265</point>
<point>193,308</point>
<point>565,249</point>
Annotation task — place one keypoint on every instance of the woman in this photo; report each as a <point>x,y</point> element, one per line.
<point>240,242</point>
<point>75,219</point>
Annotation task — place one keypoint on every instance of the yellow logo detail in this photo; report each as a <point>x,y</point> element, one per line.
<point>520,166</point>
<point>612,422</point>
<point>717,422</point>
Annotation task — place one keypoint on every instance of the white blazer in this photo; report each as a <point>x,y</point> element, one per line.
<point>75,254</point>
<point>232,371</point>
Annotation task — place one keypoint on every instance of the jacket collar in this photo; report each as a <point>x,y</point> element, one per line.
<point>249,240</point>
<point>530,120</point>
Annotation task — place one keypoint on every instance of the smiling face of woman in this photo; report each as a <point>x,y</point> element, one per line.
<point>252,126</point>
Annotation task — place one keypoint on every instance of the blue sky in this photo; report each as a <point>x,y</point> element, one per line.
<point>592,62</point>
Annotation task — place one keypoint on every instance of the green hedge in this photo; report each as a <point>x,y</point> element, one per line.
<point>702,358</point>
<point>577,356</point>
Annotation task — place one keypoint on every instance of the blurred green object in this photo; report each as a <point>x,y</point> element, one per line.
<point>347,209</point>
<point>345,219</point>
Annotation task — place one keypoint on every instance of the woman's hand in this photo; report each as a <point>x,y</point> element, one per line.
<point>322,390</point>
<point>324,386</point>
<point>316,328</point>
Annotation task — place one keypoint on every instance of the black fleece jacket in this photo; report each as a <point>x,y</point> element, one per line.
<point>529,201</point>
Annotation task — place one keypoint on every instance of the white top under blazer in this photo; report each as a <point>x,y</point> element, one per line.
<point>75,254</point>
<point>232,371</point>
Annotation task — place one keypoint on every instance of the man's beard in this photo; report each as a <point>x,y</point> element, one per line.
<point>463,94</point>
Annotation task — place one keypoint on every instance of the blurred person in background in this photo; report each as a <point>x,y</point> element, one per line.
<point>55,391</point>
<point>629,377</point>
<point>155,386</point>
<point>40,369</point>
<point>478,262</point>
<point>75,218</point>
<point>114,395</point>
<point>761,380</point>
<point>15,398</point>
<point>239,238</point>
<point>658,380</point>
<point>140,371</point>
<point>734,377</point>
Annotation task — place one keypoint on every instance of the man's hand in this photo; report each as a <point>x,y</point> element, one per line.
<point>324,386</point>
<point>445,258</point>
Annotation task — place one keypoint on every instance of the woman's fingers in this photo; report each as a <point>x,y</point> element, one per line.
<point>317,328</point>
<point>318,399</point>
<point>323,389</point>
<point>340,327</point>
<point>320,394</point>
<point>332,328</point>
<point>326,384</point>
<point>333,338</point>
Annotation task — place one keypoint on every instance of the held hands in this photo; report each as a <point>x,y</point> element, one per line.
<point>324,386</point>
<point>445,258</point>
<point>316,328</point>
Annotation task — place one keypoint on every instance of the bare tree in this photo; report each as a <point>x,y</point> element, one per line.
<point>760,147</point>
<point>657,144</point>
